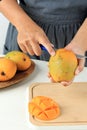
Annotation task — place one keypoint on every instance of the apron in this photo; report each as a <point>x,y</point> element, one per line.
<point>60,19</point>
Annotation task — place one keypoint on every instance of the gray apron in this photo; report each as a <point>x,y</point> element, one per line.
<point>60,19</point>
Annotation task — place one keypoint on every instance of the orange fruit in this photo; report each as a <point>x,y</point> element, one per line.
<point>21,59</point>
<point>7,69</point>
<point>62,65</point>
<point>44,108</point>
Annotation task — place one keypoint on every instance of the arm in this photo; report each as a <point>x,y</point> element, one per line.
<point>79,42</point>
<point>30,35</point>
<point>79,45</point>
<point>13,12</point>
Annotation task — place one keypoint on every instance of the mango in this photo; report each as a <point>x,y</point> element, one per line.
<point>62,65</point>
<point>21,59</point>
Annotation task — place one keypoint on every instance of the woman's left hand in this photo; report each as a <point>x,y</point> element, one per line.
<point>80,67</point>
<point>64,83</point>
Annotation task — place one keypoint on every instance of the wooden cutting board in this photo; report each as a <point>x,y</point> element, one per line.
<point>72,101</point>
<point>18,77</point>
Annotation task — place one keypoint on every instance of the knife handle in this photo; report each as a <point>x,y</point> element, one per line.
<point>43,48</point>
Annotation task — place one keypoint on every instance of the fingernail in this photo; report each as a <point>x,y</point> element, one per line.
<point>52,45</point>
<point>77,72</point>
<point>52,53</point>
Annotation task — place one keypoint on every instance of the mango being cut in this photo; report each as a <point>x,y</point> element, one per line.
<point>44,108</point>
<point>62,65</point>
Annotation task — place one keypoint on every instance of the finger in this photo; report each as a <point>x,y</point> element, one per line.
<point>81,63</point>
<point>29,48</point>
<point>64,83</point>
<point>46,43</point>
<point>36,48</point>
<point>51,79</point>
<point>23,48</point>
<point>49,75</point>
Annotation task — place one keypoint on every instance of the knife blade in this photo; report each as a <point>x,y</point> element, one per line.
<point>81,56</point>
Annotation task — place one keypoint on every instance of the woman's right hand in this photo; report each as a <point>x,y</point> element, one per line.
<point>30,36</point>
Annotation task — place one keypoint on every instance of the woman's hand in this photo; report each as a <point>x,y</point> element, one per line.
<point>77,50</point>
<point>78,70</point>
<point>80,66</point>
<point>30,37</point>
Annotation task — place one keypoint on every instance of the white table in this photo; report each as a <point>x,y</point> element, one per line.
<point>13,101</point>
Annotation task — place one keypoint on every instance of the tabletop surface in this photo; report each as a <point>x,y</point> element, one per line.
<point>13,101</point>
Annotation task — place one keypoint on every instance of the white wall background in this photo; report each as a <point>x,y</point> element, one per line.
<point>3,29</point>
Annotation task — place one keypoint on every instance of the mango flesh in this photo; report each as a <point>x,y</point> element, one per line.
<point>43,108</point>
<point>21,59</point>
<point>62,65</point>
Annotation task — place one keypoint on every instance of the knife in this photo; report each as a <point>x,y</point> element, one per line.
<point>77,55</point>
<point>81,56</point>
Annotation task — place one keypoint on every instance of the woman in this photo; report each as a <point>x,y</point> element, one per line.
<point>52,23</point>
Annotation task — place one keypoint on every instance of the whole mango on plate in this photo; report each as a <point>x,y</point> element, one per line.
<point>62,65</point>
<point>8,69</point>
<point>21,59</point>
<point>44,108</point>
